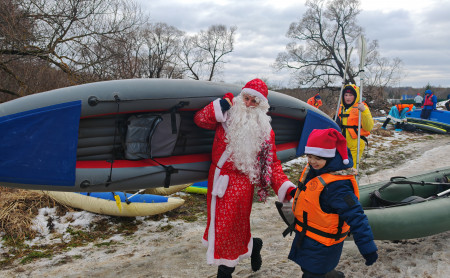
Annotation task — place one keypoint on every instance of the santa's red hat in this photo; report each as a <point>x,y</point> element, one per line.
<point>325,143</point>
<point>257,88</point>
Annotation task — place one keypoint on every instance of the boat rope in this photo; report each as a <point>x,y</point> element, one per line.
<point>86,184</point>
<point>116,127</point>
<point>169,171</point>
<point>377,200</point>
<point>404,180</point>
<point>93,100</point>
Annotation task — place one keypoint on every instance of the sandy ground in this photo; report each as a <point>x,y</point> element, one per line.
<point>179,253</point>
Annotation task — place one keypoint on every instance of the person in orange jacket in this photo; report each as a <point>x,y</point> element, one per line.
<point>315,101</point>
<point>398,115</point>
<point>348,120</point>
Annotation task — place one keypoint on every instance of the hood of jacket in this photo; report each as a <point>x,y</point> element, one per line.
<point>353,89</point>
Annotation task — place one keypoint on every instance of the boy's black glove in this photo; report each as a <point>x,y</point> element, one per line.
<point>370,258</point>
<point>292,193</point>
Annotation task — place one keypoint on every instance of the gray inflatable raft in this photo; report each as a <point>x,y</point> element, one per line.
<point>77,138</point>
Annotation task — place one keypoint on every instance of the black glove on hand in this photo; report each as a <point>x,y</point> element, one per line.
<point>292,193</point>
<point>370,258</point>
<point>224,105</point>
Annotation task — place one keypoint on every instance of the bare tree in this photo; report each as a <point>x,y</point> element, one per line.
<point>116,58</point>
<point>192,58</point>
<point>162,46</point>
<point>321,43</point>
<point>65,34</point>
<point>202,54</point>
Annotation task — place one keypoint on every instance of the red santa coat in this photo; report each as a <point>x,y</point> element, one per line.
<point>230,194</point>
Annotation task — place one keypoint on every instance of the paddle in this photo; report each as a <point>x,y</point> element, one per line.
<point>443,193</point>
<point>362,58</point>
<point>127,199</point>
<point>118,202</point>
<point>343,83</point>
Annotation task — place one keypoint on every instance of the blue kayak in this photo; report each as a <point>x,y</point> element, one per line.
<point>440,118</point>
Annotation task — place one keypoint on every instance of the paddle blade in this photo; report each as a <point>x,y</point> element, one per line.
<point>362,51</point>
<point>118,202</point>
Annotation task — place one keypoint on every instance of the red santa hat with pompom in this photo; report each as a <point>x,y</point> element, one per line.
<point>257,88</point>
<point>325,143</point>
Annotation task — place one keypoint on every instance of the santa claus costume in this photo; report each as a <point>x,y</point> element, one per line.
<point>243,156</point>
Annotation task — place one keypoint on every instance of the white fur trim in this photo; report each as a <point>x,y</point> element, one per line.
<point>283,189</point>
<point>221,117</point>
<point>220,186</point>
<point>229,263</point>
<point>211,231</point>
<point>320,151</point>
<point>254,93</point>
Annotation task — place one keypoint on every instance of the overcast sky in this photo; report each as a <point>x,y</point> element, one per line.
<point>417,33</point>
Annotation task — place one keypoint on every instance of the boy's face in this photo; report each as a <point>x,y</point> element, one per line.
<point>348,98</point>
<point>316,162</point>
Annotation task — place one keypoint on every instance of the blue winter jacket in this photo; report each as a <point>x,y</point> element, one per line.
<point>337,197</point>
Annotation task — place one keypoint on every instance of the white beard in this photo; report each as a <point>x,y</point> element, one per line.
<point>248,129</point>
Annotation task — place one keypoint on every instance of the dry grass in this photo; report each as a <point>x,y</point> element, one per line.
<point>18,208</point>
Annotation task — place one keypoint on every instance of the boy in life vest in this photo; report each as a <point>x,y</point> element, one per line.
<point>429,104</point>
<point>326,207</point>
<point>398,115</point>
<point>348,120</point>
<point>315,101</point>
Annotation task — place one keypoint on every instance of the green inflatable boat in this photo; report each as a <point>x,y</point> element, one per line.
<point>403,207</point>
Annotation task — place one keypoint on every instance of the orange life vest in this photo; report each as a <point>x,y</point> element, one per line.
<point>352,121</point>
<point>311,220</point>
<point>316,103</point>
<point>401,106</point>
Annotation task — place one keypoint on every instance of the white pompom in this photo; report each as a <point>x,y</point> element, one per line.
<point>346,161</point>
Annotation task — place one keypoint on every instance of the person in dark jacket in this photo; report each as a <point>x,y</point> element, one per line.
<point>327,193</point>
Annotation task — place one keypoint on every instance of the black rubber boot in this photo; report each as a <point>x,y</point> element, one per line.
<point>225,271</point>
<point>386,123</point>
<point>335,274</point>
<point>256,254</point>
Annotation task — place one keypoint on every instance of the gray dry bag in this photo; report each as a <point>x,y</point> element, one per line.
<point>150,135</point>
